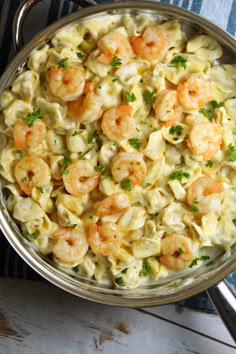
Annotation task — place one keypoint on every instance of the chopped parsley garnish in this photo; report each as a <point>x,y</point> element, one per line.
<point>93,137</point>
<point>81,154</point>
<point>19,152</point>
<point>179,61</point>
<point>148,96</point>
<point>103,177</point>
<point>130,96</point>
<point>100,168</point>
<point>209,163</point>
<point>116,61</point>
<point>91,217</point>
<point>63,63</point>
<point>41,190</point>
<point>124,271</point>
<point>231,152</point>
<point>193,205</point>
<point>145,269</point>
<point>156,214</point>
<point>77,132</point>
<point>181,251</point>
<point>179,175</point>
<point>126,184</point>
<point>73,226</point>
<point>141,80</point>
<point>195,261</point>
<point>142,122</point>
<point>148,185</point>
<point>66,161</point>
<point>115,79</point>
<point>79,55</point>
<point>205,112</point>
<point>186,137</point>
<point>119,281</point>
<point>28,236</point>
<point>176,130</point>
<point>24,179</point>
<point>66,172</point>
<point>135,143</point>
<point>31,117</point>
<point>75,269</point>
<point>216,104</point>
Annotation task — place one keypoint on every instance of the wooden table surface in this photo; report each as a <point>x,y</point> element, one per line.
<point>39,318</point>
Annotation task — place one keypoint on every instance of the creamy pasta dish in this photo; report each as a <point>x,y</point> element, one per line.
<point>118,150</point>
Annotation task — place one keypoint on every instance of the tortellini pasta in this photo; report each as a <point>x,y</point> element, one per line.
<point>118,149</point>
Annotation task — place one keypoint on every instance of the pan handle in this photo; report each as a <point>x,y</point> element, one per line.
<point>225,304</point>
<point>21,13</point>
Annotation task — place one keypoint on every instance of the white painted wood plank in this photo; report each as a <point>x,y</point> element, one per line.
<point>38,318</point>
<point>208,324</point>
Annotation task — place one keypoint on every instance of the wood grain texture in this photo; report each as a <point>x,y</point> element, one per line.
<point>42,319</point>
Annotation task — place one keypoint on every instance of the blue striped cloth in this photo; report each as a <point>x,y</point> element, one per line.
<point>223,13</point>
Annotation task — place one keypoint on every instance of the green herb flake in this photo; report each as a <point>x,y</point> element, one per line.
<point>31,117</point>
<point>148,185</point>
<point>103,178</point>
<point>209,163</point>
<point>41,190</point>
<point>66,172</point>
<point>93,137</point>
<point>80,55</point>
<point>66,161</point>
<point>77,132</point>
<point>156,214</point>
<point>205,112</point>
<point>186,137</point>
<point>141,80</point>
<point>91,217</point>
<point>216,104</point>
<point>116,61</point>
<point>179,61</point>
<point>75,269</point>
<point>179,175</point>
<point>24,179</point>
<point>115,79</point>
<point>195,261</point>
<point>63,63</point>
<point>145,269</point>
<point>176,130</point>
<point>73,226</point>
<point>124,271</point>
<point>181,251</point>
<point>126,184</point>
<point>231,152</point>
<point>100,168</point>
<point>193,205</point>
<point>130,96</point>
<point>148,96</point>
<point>119,281</point>
<point>19,152</point>
<point>26,235</point>
<point>135,143</point>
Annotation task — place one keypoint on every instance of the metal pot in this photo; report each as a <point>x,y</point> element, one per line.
<point>167,291</point>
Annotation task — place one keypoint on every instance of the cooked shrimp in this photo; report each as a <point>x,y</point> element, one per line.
<point>86,108</point>
<point>128,165</point>
<point>204,140</point>
<point>205,194</point>
<point>115,203</point>
<point>80,178</point>
<point>117,123</point>
<point>71,245</point>
<point>114,44</point>
<point>152,45</point>
<point>167,107</point>
<point>32,172</point>
<point>104,239</point>
<point>194,93</point>
<point>177,251</point>
<point>31,136</point>
<point>67,84</point>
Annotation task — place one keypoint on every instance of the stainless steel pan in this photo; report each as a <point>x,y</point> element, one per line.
<point>207,277</point>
